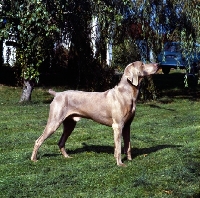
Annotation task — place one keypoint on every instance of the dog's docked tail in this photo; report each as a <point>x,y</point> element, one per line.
<point>52,92</point>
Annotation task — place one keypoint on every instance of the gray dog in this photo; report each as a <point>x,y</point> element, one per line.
<point>115,107</point>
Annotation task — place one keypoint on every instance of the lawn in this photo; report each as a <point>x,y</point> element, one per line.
<point>165,137</point>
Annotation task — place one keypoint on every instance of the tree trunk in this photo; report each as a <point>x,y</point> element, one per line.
<point>27,91</point>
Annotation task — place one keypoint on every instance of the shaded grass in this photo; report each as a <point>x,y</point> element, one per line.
<point>165,149</point>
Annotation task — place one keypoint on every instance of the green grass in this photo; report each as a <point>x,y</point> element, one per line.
<point>165,139</point>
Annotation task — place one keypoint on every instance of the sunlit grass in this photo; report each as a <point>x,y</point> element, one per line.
<point>165,148</point>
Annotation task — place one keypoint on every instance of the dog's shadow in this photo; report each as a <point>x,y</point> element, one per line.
<point>145,151</point>
<point>110,150</point>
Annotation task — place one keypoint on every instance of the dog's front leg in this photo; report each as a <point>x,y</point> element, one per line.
<point>117,139</point>
<point>127,142</point>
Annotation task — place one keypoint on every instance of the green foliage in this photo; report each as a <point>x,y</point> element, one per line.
<point>165,148</point>
<point>179,20</point>
<point>110,17</point>
<point>33,28</point>
<point>125,53</point>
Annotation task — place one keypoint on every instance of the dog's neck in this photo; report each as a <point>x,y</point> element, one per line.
<point>123,81</point>
<point>131,89</point>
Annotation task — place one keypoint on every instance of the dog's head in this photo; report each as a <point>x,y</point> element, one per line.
<point>138,69</point>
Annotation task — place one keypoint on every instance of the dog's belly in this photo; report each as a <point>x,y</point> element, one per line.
<point>105,120</point>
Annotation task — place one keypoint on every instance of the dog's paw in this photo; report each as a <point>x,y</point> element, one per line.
<point>68,156</point>
<point>34,160</point>
<point>121,164</point>
<point>129,158</point>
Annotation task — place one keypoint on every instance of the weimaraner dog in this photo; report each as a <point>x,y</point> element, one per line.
<point>115,107</point>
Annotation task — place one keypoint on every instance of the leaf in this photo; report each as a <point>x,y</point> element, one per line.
<point>19,27</point>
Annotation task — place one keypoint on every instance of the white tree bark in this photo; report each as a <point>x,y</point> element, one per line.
<point>27,91</point>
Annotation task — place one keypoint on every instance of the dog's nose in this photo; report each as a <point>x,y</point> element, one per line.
<point>156,65</point>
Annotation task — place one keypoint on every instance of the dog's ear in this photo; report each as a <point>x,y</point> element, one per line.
<point>131,73</point>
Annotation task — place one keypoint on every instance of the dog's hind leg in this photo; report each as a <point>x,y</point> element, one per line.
<point>68,126</point>
<point>49,130</point>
